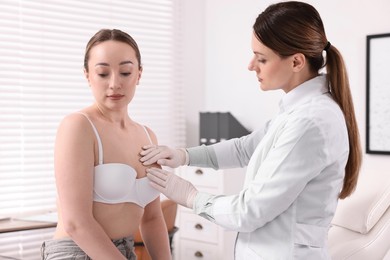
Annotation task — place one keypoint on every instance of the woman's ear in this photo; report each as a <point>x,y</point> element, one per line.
<point>299,62</point>
<point>86,75</point>
<point>139,74</point>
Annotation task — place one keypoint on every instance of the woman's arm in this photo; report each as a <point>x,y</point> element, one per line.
<point>153,227</point>
<point>74,166</point>
<point>154,232</point>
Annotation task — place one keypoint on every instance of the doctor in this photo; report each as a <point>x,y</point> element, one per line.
<point>299,164</point>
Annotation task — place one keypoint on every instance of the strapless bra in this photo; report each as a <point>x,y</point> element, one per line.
<point>118,183</point>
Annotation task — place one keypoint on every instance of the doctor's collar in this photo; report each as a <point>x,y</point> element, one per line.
<point>299,95</point>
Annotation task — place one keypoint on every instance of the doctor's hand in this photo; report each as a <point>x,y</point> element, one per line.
<point>172,186</point>
<point>163,155</point>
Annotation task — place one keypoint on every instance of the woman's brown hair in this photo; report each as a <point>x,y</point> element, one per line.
<point>295,27</point>
<point>115,35</point>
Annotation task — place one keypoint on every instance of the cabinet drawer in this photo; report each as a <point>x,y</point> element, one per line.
<point>197,228</point>
<point>192,250</point>
<point>202,177</point>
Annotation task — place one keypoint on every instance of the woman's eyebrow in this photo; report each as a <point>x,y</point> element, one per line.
<point>106,64</point>
<point>126,62</point>
<point>102,64</point>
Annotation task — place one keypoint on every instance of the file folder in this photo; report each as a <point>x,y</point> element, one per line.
<point>219,126</point>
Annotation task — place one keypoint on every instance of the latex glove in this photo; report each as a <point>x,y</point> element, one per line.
<point>163,155</point>
<point>172,186</point>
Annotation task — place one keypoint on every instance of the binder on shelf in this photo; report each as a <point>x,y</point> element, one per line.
<point>219,126</point>
<point>208,128</point>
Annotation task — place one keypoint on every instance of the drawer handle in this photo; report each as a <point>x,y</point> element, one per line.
<point>198,254</point>
<point>199,172</point>
<point>199,226</point>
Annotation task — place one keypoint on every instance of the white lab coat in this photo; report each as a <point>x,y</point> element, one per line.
<point>292,182</point>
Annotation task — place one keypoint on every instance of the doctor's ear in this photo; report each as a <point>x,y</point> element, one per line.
<point>299,61</point>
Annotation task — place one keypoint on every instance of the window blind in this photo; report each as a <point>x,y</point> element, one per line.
<point>25,245</point>
<point>42,47</point>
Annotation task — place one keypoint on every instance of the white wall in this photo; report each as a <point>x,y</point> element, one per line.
<point>218,34</point>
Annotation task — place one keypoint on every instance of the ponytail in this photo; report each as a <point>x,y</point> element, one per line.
<point>339,86</point>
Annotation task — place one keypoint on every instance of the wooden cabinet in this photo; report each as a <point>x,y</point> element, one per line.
<point>199,238</point>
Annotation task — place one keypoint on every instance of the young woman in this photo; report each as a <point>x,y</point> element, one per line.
<point>103,194</point>
<point>299,164</point>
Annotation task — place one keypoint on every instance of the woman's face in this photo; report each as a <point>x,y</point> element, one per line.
<point>113,73</point>
<point>272,71</point>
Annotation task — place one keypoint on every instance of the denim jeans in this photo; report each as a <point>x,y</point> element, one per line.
<point>61,249</point>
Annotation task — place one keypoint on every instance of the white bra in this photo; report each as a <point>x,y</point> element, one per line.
<point>118,183</point>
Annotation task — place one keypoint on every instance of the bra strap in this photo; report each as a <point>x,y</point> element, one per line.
<point>147,134</point>
<point>97,137</point>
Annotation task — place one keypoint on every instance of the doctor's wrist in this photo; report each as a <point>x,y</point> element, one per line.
<point>185,157</point>
<point>191,198</point>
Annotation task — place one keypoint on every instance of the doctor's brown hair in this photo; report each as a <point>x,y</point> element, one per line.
<point>295,27</point>
<point>115,35</point>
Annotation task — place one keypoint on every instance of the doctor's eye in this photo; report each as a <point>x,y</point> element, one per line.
<point>102,75</point>
<point>125,74</point>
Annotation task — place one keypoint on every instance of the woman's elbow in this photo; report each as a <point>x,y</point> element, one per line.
<point>73,226</point>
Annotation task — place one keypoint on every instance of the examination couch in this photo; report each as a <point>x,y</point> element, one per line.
<point>361,226</point>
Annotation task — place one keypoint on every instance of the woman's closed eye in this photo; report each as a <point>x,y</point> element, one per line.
<point>102,75</point>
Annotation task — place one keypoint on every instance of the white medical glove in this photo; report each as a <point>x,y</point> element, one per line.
<point>172,186</point>
<point>163,155</point>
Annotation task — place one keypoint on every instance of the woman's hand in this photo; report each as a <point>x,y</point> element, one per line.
<point>163,155</point>
<point>172,186</point>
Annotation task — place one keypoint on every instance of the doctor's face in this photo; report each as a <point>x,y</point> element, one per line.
<point>272,71</point>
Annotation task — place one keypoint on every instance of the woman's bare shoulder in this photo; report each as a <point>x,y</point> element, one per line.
<point>75,124</point>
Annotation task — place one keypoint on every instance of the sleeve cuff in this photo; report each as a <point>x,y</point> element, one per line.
<point>186,156</point>
<point>203,205</point>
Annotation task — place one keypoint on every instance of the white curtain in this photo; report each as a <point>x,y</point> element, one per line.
<point>42,45</point>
